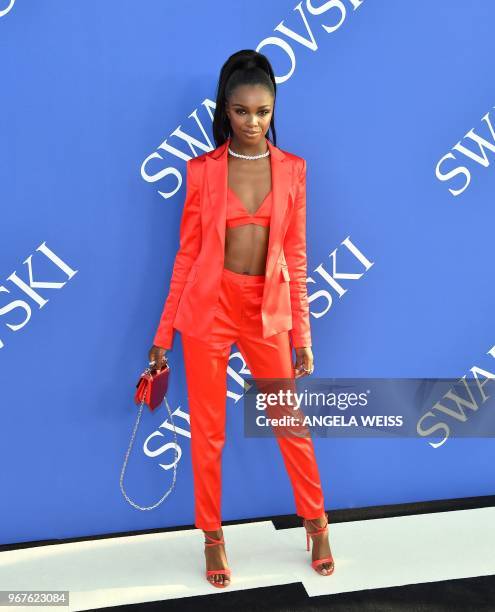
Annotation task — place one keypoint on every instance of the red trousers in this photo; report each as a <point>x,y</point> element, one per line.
<point>238,319</point>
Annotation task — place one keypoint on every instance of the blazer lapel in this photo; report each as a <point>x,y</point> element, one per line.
<point>217,181</point>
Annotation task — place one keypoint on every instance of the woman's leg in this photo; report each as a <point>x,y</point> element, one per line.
<point>272,358</point>
<point>206,362</point>
<point>206,372</point>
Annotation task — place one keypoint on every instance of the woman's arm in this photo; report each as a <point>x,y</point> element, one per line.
<point>295,254</point>
<point>190,245</point>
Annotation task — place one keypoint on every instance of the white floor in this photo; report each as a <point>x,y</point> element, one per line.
<point>368,554</point>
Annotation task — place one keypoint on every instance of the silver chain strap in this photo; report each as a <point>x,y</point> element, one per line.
<point>129,451</point>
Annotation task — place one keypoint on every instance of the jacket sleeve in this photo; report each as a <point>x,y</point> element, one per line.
<point>190,244</point>
<point>295,255</point>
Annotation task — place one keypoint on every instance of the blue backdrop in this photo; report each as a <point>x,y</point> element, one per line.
<point>101,105</point>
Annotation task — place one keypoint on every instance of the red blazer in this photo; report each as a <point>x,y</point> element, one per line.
<point>198,266</point>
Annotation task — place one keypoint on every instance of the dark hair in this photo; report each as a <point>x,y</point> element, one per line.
<point>246,67</point>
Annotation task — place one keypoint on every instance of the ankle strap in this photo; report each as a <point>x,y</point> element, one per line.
<point>213,542</point>
<point>318,529</point>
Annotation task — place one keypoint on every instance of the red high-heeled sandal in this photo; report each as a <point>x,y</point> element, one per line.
<point>220,585</point>
<point>317,562</point>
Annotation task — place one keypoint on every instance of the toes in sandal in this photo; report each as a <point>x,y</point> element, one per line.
<point>220,585</point>
<point>318,562</point>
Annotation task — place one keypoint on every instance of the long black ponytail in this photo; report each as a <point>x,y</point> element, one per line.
<point>246,67</point>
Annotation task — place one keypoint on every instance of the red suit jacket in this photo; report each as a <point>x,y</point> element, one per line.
<point>198,266</point>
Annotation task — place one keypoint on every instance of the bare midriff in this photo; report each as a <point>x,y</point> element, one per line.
<point>246,249</point>
<point>248,226</point>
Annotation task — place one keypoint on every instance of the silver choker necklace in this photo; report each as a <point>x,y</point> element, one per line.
<point>265,154</point>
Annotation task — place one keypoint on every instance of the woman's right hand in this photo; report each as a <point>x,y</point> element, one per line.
<point>157,354</point>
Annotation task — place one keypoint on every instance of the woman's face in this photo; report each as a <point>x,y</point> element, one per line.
<point>250,110</point>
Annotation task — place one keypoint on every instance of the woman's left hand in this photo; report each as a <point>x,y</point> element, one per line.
<point>304,362</point>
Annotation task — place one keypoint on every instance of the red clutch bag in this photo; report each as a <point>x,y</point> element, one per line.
<point>151,390</point>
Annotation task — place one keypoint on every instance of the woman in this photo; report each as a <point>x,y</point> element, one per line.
<point>240,276</point>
